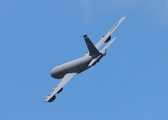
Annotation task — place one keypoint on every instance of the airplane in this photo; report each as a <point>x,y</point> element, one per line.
<point>68,70</point>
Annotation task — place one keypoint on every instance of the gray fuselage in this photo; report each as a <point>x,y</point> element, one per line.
<point>75,66</point>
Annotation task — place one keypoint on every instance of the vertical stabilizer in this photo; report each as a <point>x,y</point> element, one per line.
<point>92,49</point>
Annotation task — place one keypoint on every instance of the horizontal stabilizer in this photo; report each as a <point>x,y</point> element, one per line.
<point>103,51</point>
<point>95,60</point>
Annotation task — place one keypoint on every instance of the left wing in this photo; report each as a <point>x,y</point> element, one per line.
<point>64,81</point>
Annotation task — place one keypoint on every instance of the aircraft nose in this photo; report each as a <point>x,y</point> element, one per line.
<point>57,72</point>
<point>53,72</point>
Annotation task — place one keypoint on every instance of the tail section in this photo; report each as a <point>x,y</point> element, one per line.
<point>103,51</point>
<point>92,49</point>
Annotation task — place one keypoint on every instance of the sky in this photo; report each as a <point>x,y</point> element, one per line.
<point>129,83</point>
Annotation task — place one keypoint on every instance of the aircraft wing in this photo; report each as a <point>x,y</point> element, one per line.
<point>103,39</point>
<point>64,81</point>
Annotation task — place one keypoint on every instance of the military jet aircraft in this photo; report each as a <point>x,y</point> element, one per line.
<point>68,70</point>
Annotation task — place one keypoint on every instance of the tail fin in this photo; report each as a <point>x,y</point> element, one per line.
<point>92,49</point>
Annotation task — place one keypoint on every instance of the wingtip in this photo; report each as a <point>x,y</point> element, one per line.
<point>123,17</point>
<point>45,101</point>
<point>115,38</point>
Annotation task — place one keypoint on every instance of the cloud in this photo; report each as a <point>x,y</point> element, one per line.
<point>123,2</point>
<point>87,8</point>
<point>91,7</point>
<point>157,8</point>
<point>86,4</point>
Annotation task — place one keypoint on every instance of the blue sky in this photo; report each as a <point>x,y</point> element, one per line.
<point>130,82</point>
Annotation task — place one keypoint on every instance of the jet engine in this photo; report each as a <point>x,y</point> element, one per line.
<point>59,90</point>
<point>109,38</point>
<point>52,99</point>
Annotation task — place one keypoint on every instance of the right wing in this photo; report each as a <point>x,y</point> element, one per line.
<point>64,81</point>
<point>109,33</point>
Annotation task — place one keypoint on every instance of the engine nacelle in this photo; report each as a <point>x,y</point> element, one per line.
<point>109,38</point>
<point>52,99</point>
<point>59,90</point>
